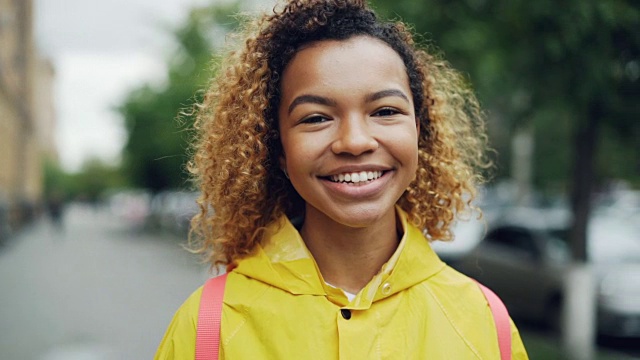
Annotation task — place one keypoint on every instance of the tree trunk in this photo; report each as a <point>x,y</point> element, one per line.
<point>579,315</point>
<point>583,181</point>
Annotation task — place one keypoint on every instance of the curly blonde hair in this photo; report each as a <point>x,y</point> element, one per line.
<point>236,156</point>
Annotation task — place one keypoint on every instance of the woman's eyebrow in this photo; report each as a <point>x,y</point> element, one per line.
<point>313,99</point>
<point>384,93</point>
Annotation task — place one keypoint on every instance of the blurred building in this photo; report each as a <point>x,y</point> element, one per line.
<point>26,113</point>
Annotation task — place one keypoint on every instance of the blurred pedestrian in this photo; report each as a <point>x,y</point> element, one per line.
<point>333,150</point>
<point>55,207</point>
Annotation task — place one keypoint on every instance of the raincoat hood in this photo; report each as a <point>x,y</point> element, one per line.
<point>283,261</point>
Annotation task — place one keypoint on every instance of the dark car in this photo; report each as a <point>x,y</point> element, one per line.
<point>524,266</point>
<point>524,257</point>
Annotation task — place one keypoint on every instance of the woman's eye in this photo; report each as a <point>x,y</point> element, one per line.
<point>386,112</point>
<point>316,119</point>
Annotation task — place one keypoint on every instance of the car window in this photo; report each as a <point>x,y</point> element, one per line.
<point>558,250</point>
<point>514,239</point>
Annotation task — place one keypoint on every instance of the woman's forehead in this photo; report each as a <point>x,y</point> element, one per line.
<point>361,42</point>
<point>360,62</point>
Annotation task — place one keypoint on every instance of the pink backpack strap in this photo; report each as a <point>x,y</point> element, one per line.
<point>501,319</point>
<point>209,315</point>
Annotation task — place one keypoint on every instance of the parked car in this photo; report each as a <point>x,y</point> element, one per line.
<point>467,235</point>
<point>614,249</point>
<point>172,211</point>
<point>525,266</point>
<point>130,206</point>
<point>524,257</point>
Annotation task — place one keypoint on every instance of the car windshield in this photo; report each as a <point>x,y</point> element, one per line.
<point>557,249</point>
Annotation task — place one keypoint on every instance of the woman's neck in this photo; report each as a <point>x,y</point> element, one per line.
<point>349,257</point>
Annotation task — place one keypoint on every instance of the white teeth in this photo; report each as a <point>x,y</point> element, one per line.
<point>356,177</point>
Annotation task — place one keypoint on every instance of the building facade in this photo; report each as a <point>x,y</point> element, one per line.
<point>26,114</point>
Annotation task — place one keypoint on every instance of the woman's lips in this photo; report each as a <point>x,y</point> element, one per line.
<point>360,188</point>
<point>356,177</point>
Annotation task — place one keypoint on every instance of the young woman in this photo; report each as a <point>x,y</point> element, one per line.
<point>333,150</point>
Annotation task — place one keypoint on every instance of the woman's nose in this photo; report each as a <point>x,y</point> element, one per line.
<point>354,137</point>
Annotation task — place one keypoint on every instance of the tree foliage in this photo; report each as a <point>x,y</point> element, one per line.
<point>545,64</point>
<point>159,120</point>
<point>89,184</point>
<point>568,69</point>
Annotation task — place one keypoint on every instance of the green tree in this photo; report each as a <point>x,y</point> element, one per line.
<point>94,178</point>
<point>158,120</point>
<point>89,184</point>
<point>54,178</point>
<point>568,69</point>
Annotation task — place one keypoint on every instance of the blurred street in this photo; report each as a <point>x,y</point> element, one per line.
<point>102,289</point>
<point>96,289</point>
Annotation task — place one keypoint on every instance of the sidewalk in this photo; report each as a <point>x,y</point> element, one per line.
<point>541,346</point>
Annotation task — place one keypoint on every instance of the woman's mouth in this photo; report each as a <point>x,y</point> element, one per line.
<point>356,177</point>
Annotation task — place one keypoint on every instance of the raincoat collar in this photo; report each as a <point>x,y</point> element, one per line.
<point>282,260</point>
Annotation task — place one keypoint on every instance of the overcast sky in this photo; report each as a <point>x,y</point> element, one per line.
<point>100,50</point>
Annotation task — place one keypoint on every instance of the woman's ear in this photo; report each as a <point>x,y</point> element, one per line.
<point>283,165</point>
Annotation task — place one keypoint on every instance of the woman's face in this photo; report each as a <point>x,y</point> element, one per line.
<point>348,129</point>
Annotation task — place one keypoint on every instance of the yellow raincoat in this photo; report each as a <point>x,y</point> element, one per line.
<point>277,306</point>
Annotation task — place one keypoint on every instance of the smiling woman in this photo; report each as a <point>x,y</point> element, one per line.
<point>364,123</point>
<point>333,150</point>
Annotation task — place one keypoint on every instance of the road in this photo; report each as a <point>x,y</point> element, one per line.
<point>98,289</point>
